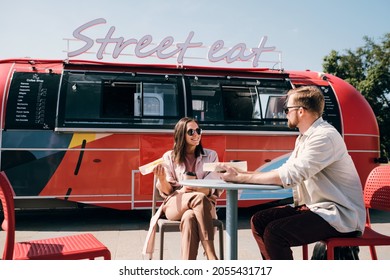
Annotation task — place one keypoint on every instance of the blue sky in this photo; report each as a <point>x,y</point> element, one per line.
<point>304,31</point>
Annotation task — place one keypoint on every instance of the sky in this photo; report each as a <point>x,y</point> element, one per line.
<point>301,32</point>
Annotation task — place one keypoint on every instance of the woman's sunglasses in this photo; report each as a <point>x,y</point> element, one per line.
<point>191,131</point>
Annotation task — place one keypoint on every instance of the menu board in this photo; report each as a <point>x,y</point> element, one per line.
<point>331,111</point>
<point>32,101</point>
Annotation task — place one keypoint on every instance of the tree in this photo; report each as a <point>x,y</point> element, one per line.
<point>368,70</point>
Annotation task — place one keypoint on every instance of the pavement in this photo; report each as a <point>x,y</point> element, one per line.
<point>124,232</point>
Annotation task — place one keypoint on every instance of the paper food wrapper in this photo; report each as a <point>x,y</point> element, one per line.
<point>213,166</point>
<point>148,168</point>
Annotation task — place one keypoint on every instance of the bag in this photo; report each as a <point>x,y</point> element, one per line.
<point>340,253</point>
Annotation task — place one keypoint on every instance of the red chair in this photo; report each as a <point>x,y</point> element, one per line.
<point>376,196</point>
<point>81,246</point>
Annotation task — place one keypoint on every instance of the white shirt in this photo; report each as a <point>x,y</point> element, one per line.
<point>323,176</point>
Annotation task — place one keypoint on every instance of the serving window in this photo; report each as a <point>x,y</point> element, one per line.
<point>239,102</point>
<point>114,100</point>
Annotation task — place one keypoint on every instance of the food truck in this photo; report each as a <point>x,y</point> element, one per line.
<point>75,132</point>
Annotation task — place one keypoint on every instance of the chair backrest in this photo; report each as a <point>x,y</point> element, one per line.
<point>8,225</point>
<point>377,188</point>
<point>156,196</point>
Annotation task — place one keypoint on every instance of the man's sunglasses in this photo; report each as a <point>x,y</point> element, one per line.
<point>191,131</point>
<point>287,109</point>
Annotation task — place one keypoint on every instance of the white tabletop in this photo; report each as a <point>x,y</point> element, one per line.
<point>221,184</point>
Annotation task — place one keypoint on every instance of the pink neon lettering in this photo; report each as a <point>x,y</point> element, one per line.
<point>239,49</point>
<point>165,49</point>
<point>260,49</point>
<point>120,46</point>
<point>165,44</point>
<point>187,44</point>
<point>105,41</point>
<point>216,47</point>
<point>143,43</point>
<point>88,41</point>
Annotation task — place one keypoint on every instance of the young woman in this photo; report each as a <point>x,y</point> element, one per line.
<point>194,207</point>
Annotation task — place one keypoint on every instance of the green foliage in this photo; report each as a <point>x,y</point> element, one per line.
<point>368,70</point>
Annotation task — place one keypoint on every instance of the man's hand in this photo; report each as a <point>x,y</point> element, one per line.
<point>230,174</point>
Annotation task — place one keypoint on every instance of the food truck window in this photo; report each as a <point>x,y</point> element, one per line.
<point>117,100</point>
<point>158,99</point>
<point>207,100</point>
<point>238,101</point>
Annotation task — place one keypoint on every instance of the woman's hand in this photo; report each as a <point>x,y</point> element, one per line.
<point>186,189</point>
<point>163,184</point>
<point>159,171</point>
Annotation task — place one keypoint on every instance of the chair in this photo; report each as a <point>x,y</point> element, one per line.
<point>376,196</point>
<point>165,225</point>
<point>81,246</point>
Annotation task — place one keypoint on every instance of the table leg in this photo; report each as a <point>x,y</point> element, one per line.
<point>231,224</point>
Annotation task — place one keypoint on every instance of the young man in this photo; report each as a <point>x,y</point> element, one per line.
<point>327,192</point>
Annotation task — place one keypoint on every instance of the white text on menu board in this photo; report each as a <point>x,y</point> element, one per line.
<point>21,104</point>
<point>25,102</point>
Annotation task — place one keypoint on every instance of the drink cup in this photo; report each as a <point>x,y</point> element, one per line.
<point>189,175</point>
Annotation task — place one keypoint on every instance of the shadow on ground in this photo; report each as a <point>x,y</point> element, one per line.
<point>100,219</point>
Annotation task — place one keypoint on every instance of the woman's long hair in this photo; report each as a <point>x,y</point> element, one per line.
<point>179,146</point>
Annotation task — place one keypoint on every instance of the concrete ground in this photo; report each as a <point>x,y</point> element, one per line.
<point>124,232</point>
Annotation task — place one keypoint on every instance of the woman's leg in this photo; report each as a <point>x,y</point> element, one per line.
<point>198,202</point>
<point>189,236</point>
<point>202,208</point>
<point>209,249</point>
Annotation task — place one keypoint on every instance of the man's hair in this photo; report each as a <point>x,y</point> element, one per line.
<point>179,146</point>
<point>310,97</point>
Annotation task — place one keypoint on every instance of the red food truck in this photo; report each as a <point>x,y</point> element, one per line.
<point>74,132</point>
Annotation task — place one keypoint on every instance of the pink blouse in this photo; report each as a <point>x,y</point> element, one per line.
<point>175,172</point>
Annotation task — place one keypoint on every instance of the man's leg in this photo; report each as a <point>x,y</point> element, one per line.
<point>298,226</point>
<point>286,227</point>
<point>261,219</point>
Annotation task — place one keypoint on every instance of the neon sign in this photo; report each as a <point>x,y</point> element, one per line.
<point>166,48</point>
